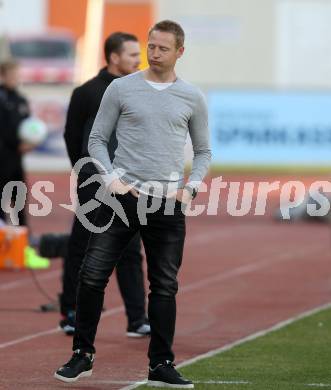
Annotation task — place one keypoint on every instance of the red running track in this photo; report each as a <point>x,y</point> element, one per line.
<point>239,275</point>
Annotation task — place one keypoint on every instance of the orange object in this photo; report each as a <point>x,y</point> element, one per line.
<point>135,17</point>
<point>13,241</point>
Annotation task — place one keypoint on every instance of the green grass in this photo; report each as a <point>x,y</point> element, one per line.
<point>286,359</point>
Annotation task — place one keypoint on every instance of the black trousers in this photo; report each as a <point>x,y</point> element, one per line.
<point>129,271</point>
<point>163,238</point>
<point>17,175</point>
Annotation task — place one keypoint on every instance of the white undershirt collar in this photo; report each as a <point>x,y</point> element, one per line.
<point>159,86</point>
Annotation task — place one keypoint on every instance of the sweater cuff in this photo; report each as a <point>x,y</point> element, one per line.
<point>108,178</point>
<point>194,184</point>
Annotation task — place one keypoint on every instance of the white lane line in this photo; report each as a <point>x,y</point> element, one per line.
<point>30,337</point>
<point>110,382</point>
<point>248,268</point>
<point>193,240</point>
<point>246,339</point>
<point>209,382</point>
<point>29,280</point>
<point>139,383</point>
<point>258,334</point>
<point>51,274</point>
<point>192,286</point>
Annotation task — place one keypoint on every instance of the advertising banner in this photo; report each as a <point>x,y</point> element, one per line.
<point>270,128</point>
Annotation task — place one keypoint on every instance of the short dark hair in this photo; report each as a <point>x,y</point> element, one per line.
<point>7,65</point>
<point>114,43</point>
<point>171,27</point>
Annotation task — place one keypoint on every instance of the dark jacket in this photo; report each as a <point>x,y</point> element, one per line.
<point>13,109</point>
<point>83,108</point>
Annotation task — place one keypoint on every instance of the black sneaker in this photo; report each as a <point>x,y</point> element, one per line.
<point>165,375</point>
<point>142,330</point>
<point>68,323</point>
<point>79,366</point>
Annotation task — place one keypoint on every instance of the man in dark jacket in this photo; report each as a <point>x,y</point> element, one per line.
<point>14,109</point>
<point>122,54</point>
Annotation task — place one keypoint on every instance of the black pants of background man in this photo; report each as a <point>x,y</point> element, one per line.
<point>17,175</point>
<point>129,271</point>
<point>163,238</point>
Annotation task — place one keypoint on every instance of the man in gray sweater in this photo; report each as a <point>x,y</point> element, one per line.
<point>152,112</point>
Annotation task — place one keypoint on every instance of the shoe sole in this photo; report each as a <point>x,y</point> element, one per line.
<point>83,374</point>
<point>137,335</point>
<point>169,385</point>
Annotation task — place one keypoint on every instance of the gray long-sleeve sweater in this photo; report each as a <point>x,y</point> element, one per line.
<point>151,128</point>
